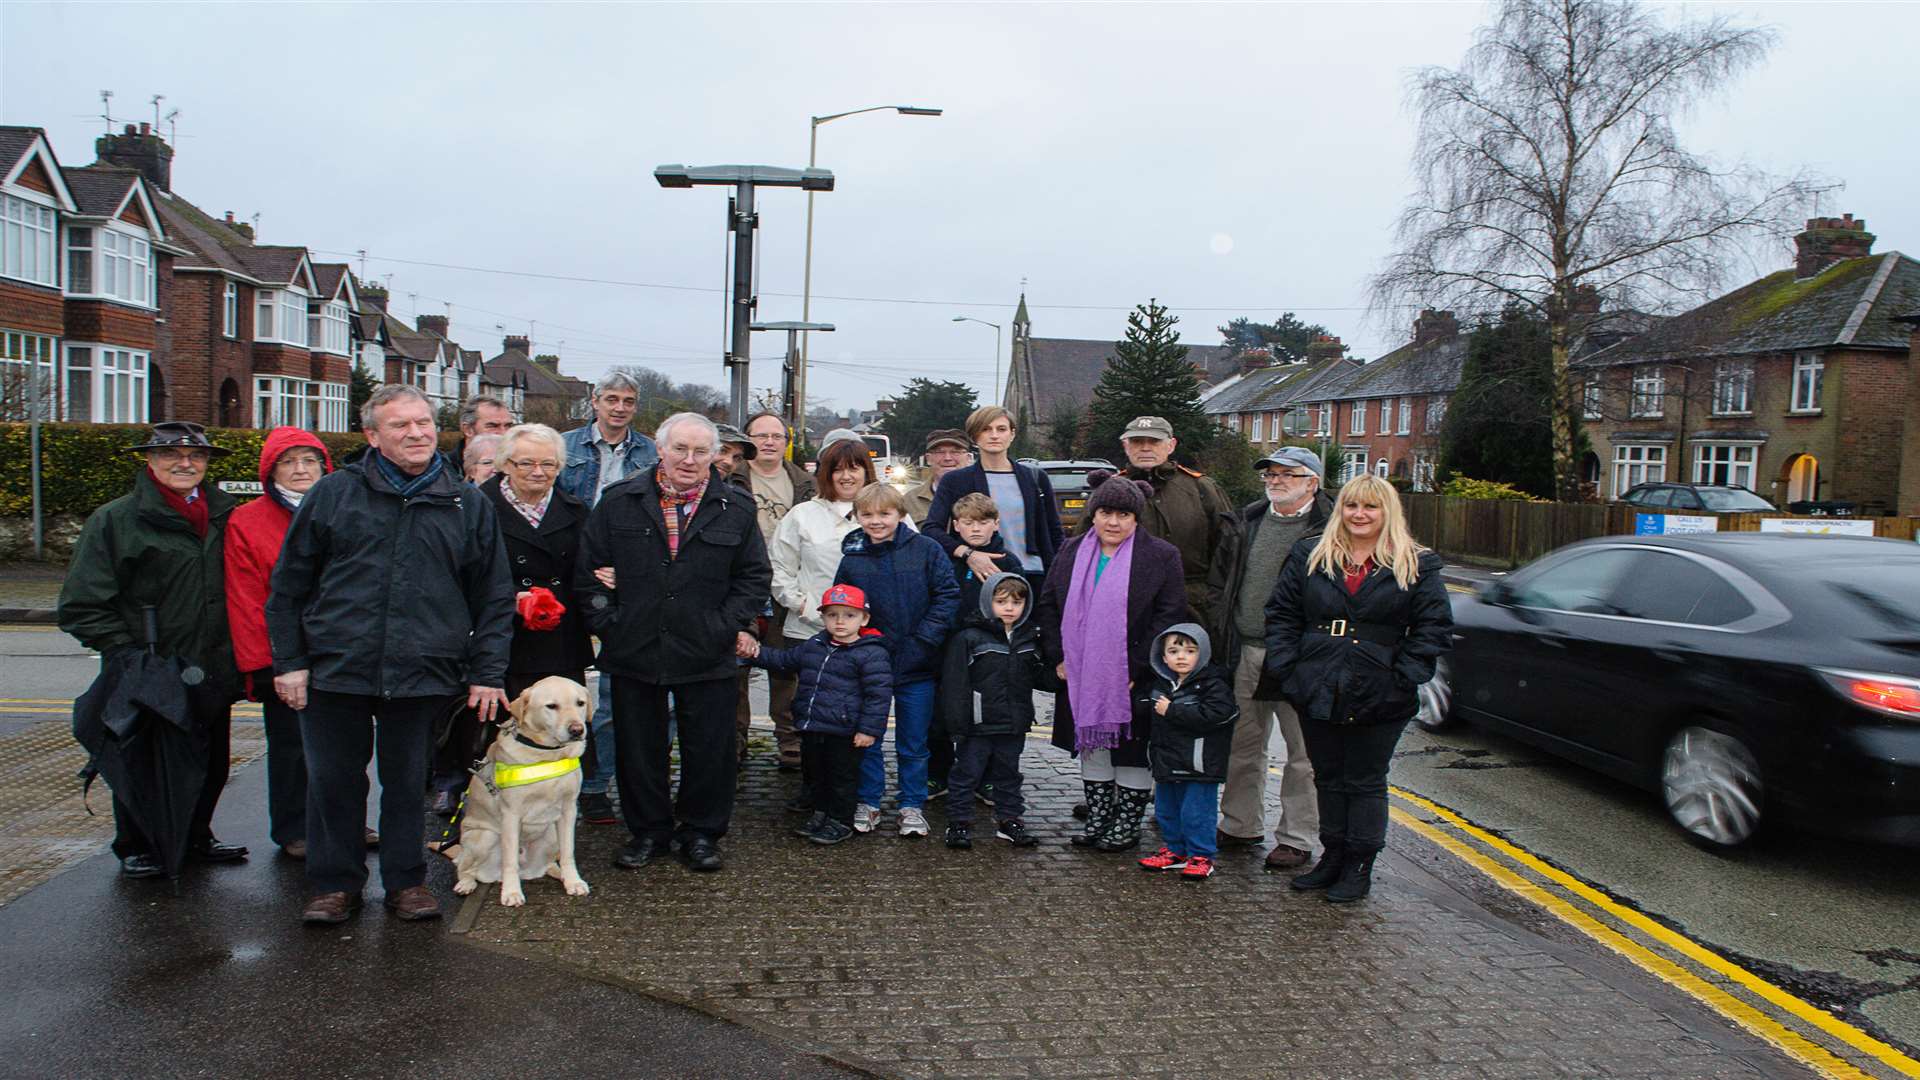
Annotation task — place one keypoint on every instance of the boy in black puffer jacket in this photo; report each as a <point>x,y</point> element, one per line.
<point>839,708</point>
<point>993,665</point>
<point>1194,714</point>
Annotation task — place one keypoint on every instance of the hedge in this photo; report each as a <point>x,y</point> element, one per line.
<point>83,466</point>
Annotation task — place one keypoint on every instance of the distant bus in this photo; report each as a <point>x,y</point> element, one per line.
<point>896,471</point>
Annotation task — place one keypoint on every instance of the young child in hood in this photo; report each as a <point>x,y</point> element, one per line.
<point>839,708</point>
<point>1192,733</point>
<point>993,665</point>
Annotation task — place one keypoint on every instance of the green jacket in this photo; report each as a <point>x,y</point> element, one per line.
<point>1190,512</point>
<point>137,550</point>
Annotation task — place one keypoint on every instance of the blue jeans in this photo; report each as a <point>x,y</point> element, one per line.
<point>1185,810</point>
<point>912,715</point>
<point>596,781</point>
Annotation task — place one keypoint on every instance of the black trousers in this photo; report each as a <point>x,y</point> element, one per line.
<point>707,762</point>
<point>940,743</point>
<point>830,773</point>
<point>994,759</point>
<point>1350,764</point>
<point>341,732</point>
<point>286,765</point>
<point>127,837</point>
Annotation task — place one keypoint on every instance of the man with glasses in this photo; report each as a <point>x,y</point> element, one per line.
<point>947,450</point>
<point>163,545</point>
<point>689,575</point>
<point>1244,572</point>
<point>778,485</point>
<point>599,455</point>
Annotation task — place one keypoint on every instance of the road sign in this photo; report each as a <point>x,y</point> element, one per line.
<point>1673,524</point>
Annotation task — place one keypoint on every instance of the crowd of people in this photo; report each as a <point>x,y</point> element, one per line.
<point>384,609</point>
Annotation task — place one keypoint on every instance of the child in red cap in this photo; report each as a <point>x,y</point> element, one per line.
<point>839,709</point>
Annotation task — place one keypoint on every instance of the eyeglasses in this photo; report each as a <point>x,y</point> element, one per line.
<point>533,466</point>
<point>684,453</point>
<point>1276,477</point>
<point>308,461</point>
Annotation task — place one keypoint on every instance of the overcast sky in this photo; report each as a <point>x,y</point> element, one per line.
<point>1229,159</point>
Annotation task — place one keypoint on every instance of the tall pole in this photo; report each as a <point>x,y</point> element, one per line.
<point>741,346</point>
<point>796,405</point>
<point>998,393</point>
<point>33,453</point>
<point>799,405</point>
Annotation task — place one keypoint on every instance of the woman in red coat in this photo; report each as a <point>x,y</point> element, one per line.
<point>291,462</point>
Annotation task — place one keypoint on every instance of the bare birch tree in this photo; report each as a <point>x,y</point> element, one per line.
<point>1547,164</point>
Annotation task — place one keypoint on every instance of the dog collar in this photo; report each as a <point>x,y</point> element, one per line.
<point>506,776</point>
<point>524,741</point>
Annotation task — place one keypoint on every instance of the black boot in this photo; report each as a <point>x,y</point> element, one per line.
<point>1123,830</point>
<point>1356,878</point>
<point>1327,870</point>
<point>1099,812</point>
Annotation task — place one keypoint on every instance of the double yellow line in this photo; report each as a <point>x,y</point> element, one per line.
<point>1689,964</point>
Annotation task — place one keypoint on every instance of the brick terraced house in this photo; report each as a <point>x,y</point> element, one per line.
<point>1799,386</point>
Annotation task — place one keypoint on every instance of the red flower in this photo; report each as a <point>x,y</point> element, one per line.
<point>540,609</point>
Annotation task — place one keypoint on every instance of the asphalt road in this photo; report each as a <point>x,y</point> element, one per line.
<point>1836,923</point>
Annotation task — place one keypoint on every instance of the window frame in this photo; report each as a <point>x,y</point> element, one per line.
<point>288,308</point>
<point>230,310</point>
<point>1406,417</point>
<point>1357,418</point>
<point>1257,430</point>
<point>1386,416</point>
<point>1814,366</point>
<point>1592,405</point>
<point>1733,388</point>
<point>1707,463</point>
<point>118,380</point>
<point>16,228</point>
<point>1647,398</point>
<point>119,263</point>
<point>1635,461</point>
<point>25,356</point>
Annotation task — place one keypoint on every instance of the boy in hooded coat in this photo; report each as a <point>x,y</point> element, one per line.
<point>991,669</point>
<point>1192,735</point>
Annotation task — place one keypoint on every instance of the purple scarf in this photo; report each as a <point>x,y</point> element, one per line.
<point>1093,633</point>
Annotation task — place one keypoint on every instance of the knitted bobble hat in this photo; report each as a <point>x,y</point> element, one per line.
<point>1116,493</point>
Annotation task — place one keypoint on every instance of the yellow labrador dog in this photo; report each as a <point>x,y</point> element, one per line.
<point>519,817</point>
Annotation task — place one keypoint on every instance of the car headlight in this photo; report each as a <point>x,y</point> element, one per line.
<point>1890,695</point>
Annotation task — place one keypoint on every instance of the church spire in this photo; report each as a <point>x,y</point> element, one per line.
<point>1020,317</point>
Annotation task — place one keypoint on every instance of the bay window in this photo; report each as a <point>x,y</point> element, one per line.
<point>106,385</point>
<point>327,331</point>
<point>283,402</point>
<point>27,241</point>
<point>24,356</point>
<point>1637,463</point>
<point>333,406</point>
<point>1354,463</point>
<point>1724,463</point>
<point>109,264</point>
<point>280,315</point>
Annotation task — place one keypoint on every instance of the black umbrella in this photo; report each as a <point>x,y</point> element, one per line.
<point>144,737</point>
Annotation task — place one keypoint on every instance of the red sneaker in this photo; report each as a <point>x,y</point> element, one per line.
<point>1163,859</point>
<point>1198,868</point>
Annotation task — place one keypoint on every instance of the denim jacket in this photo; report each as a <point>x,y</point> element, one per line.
<point>580,477</point>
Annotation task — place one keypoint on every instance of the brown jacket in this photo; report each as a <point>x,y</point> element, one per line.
<point>1190,512</point>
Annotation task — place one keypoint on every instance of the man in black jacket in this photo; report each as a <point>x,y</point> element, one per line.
<point>1244,571</point>
<point>391,600</point>
<point>689,575</point>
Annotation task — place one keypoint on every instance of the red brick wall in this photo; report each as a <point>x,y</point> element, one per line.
<point>269,359</point>
<point>110,324</point>
<point>1871,391</point>
<point>1909,494</point>
<point>1399,450</point>
<point>32,308</point>
<point>330,368</point>
<point>201,358</point>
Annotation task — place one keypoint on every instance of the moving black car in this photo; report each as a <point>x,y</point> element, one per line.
<point>1697,499</point>
<point>1743,676</point>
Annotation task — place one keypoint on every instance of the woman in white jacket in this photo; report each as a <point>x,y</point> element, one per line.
<point>805,551</point>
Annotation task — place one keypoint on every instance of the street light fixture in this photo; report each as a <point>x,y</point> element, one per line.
<point>997,393</point>
<point>806,277</point>
<point>796,406</point>
<point>741,222</point>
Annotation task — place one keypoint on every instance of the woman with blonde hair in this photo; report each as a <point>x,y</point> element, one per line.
<point>1354,626</point>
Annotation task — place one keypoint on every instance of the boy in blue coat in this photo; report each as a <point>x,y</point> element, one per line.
<point>1194,713</point>
<point>910,590</point>
<point>839,708</point>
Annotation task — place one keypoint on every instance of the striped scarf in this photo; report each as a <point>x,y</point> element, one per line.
<point>677,508</point>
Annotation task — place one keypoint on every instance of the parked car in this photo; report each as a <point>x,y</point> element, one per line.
<point>1742,676</point>
<point>1697,499</point>
<point>1069,480</point>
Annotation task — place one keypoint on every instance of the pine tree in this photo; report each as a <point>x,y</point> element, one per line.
<point>360,386</point>
<point>1148,376</point>
<point>1499,424</point>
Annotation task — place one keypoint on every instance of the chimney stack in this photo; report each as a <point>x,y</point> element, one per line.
<point>1325,347</point>
<point>1434,326</point>
<point>518,341</point>
<point>432,324</point>
<point>140,149</point>
<point>1586,300</point>
<point>1827,241</point>
<point>1255,359</point>
<point>373,296</point>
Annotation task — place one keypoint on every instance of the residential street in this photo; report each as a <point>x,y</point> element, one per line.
<point>993,962</point>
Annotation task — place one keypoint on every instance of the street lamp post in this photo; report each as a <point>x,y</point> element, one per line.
<point>806,275</point>
<point>998,393</point>
<point>741,222</point>
<point>796,406</point>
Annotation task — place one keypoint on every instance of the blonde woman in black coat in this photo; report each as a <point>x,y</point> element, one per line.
<point>1354,626</point>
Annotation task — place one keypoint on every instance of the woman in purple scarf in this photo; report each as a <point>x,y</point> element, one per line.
<point>1109,593</point>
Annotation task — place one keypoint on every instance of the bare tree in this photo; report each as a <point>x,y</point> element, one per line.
<point>1548,172</point>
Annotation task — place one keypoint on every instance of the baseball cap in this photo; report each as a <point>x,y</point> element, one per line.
<point>1295,457</point>
<point>1148,427</point>
<point>844,596</point>
<point>948,435</point>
